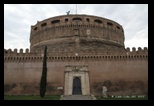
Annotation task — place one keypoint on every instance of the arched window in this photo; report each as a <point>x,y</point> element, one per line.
<point>87,19</point>
<point>66,19</point>
<point>55,21</point>
<point>118,27</point>
<point>77,19</point>
<point>44,24</point>
<point>109,23</point>
<point>98,21</point>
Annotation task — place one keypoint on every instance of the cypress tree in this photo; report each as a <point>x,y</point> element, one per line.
<point>43,81</point>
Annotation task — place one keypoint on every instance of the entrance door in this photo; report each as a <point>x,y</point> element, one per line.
<point>77,86</point>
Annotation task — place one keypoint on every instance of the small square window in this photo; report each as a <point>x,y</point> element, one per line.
<point>66,20</point>
<point>87,19</point>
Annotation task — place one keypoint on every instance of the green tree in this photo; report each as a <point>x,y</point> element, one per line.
<point>43,81</point>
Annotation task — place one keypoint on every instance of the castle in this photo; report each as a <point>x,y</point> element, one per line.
<point>84,53</point>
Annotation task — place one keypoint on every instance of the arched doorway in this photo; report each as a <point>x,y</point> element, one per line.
<point>77,86</point>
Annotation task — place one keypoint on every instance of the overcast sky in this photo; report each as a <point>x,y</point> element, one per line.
<point>18,19</point>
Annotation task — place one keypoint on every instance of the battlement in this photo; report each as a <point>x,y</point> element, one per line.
<point>10,55</point>
<point>14,52</point>
<point>27,52</point>
<point>139,51</point>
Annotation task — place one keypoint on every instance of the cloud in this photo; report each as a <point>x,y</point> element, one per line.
<point>18,19</point>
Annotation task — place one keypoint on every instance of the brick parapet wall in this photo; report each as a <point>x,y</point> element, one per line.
<point>14,56</point>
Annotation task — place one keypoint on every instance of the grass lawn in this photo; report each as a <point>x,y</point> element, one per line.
<point>30,97</point>
<point>122,98</point>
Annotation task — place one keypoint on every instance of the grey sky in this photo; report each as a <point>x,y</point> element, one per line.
<point>18,19</point>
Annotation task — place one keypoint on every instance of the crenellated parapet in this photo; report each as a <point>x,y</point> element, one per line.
<point>134,51</point>
<point>21,52</point>
<point>135,54</point>
<point>14,52</point>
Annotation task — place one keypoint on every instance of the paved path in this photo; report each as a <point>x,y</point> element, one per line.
<point>77,97</point>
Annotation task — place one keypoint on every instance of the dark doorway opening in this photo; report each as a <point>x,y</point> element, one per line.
<point>77,86</point>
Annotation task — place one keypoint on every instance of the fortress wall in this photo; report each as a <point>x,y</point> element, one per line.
<point>28,72</point>
<point>99,70</point>
<point>125,77</point>
<point>125,70</point>
<point>26,76</point>
<point>22,71</point>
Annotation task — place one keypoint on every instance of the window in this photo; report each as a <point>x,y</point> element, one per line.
<point>98,21</point>
<point>87,19</point>
<point>118,27</point>
<point>109,23</point>
<point>44,24</point>
<point>77,19</point>
<point>66,20</point>
<point>35,28</point>
<point>55,21</point>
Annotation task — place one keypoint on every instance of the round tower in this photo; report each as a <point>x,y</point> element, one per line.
<point>77,33</point>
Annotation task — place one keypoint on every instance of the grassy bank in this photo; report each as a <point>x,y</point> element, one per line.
<point>30,97</point>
